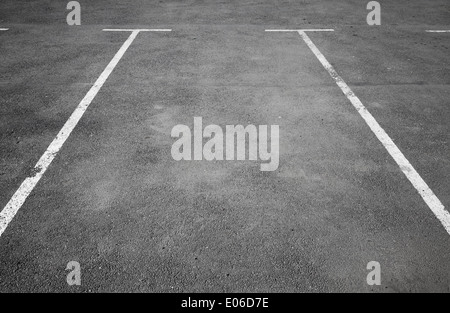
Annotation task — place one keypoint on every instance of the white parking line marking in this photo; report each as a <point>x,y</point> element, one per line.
<point>300,30</point>
<point>133,30</point>
<point>4,29</point>
<point>427,194</point>
<point>19,197</point>
<point>438,31</point>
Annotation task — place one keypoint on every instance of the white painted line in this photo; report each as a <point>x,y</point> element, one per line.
<point>427,194</point>
<point>4,29</point>
<point>299,30</point>
<point>438,31</point>
<point>18,199</point>
<point>133,30</point>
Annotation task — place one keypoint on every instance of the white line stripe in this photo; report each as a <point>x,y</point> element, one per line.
<point>438,31</point>
<point>299,30</point>
<point>17,200</point>
<point>4,28</point>
<point>133,30</point>
<point>427,194</point>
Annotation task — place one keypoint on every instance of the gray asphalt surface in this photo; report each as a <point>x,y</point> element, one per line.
<point>137,221</point>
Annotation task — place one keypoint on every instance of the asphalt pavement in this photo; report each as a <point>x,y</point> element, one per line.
<point>136,220</point>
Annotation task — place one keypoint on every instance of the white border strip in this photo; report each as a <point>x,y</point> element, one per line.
<point>438,31</point>
<point>421,186</point>
<point>18,199</point>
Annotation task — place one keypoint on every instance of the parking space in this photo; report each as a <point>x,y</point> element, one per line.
<point>43,72</point>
